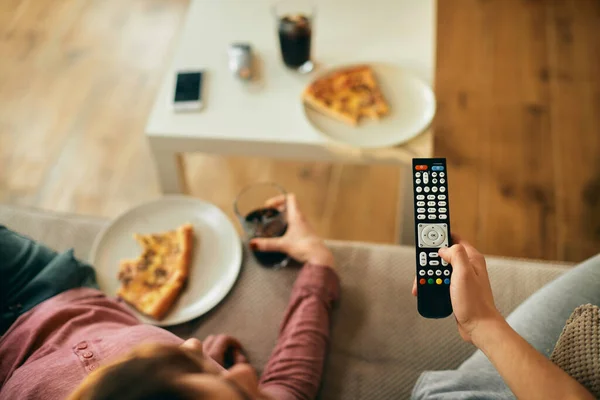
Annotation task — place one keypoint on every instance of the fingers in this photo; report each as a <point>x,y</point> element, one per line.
<point>217,347</point>
<point>223,342</point>
<point>414,287</point>
<point>269,244</point>
<point>457,256</point>
<point>239,357</point>
<point>208,342</point>
<point>476,258</point>
<point>277,201</point>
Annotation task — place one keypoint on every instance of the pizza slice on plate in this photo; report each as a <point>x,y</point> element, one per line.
<point>152,282</point>
<point>348,95</point>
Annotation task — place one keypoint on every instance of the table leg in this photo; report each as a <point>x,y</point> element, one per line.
<point>405,211</point>
<point>171,171</point>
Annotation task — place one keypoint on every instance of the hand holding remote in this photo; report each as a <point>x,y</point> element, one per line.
<point>470,290</point>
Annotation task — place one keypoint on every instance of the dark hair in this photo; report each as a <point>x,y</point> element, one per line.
<point>149,372</point>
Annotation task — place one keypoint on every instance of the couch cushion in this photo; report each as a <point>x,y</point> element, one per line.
<point>61,231</point>
<point>379,343</point>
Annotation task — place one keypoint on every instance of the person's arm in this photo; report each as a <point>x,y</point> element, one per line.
<point>527,373</point>
<point>296,364</point>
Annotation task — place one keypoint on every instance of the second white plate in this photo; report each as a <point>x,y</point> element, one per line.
<point>412,107</point>
<point>216,259</point>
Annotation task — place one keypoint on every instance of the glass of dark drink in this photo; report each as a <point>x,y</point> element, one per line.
<point>294,26</point>
<point>262,221</point>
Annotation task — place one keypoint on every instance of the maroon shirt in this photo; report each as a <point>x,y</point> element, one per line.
<point>49,350</point>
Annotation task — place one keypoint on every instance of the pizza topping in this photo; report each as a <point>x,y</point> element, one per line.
<point>347,94</point>
<point>152,282</point>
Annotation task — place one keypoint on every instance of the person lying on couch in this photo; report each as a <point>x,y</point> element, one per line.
<point>63,338</point>
<point>512,358</point>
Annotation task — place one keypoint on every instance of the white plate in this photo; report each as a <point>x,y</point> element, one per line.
<point>412,107</point>
<point>216,259</point>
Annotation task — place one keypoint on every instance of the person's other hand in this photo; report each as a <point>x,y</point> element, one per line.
<point>300,240</point>
<point>470,290</point>
<point>224,349</point>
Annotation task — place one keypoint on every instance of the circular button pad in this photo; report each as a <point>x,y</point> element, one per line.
<point>433,235</point>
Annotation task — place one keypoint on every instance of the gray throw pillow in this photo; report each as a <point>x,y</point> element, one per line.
<point>577,351</point>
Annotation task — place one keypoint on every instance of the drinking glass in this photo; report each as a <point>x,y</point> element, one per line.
<point>261,221</point>
<point>294,26</point>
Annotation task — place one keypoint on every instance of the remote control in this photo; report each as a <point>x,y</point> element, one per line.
<point>432,231</point>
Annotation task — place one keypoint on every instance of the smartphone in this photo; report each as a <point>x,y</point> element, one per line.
<point>188,91</point>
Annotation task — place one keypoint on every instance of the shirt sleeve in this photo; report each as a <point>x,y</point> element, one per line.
<point>296,364</point>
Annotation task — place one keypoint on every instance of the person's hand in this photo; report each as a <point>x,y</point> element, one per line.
<point>299,241</point>
<point>470,290</point>
<point>224,349</point>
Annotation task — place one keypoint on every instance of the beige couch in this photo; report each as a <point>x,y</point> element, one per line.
<point>379,344</point>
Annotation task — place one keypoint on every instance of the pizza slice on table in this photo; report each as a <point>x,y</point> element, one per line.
<point>152,282</point>
<point>348,95</point>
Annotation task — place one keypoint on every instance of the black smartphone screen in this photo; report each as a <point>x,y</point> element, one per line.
<point>188,87</point>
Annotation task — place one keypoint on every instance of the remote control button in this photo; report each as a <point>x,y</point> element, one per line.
<point>431,197</point>
<point>420,216</point>
<point>442,174</point>
<point>419,189</point>
<point>422,259</point>
<point>420,203</point>
<point>437,168</point>
<point>433,254</point>
<point>432,216</point>
<point>447,281</point>
<point>417,174</point>
<point>420,197</point>
<point>442,196</point>
<point>430,272</point>
<point>422,281</point>
<point>444,262</point>
<point>434,263</point>
<point>442,204</point>
<point>425,177</point>
<point>431,203</point>
<point>418,181</point>
<point>446,272</point>
<point>421,167</point>
<point>431,210</point>
<point>442,181</point>
<point>438,281</point>
<point>433,235</point>
<point>433,174</point>
<point>438,272</point>
<point>442,189</point>
<point>443,210</point>
<point>443,216</point>
<point>420,210</point>
<point>422,272</point>
<point>426,189</point>
<point>434,189</point>
<point>430,281</point>
<point>434,181</point>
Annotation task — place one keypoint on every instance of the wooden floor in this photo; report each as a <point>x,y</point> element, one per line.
<point>519,120</point>
<point>518,83</point>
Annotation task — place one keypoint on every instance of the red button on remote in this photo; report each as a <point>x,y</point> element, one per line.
<point>421,167</point>
<point>422,281</point>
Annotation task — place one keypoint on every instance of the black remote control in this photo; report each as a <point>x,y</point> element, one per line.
<point>432,231</point>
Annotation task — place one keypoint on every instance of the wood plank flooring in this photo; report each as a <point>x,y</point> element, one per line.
<point>519,120</point>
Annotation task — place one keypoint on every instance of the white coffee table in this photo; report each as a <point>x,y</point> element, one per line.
<point>267,119</point>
